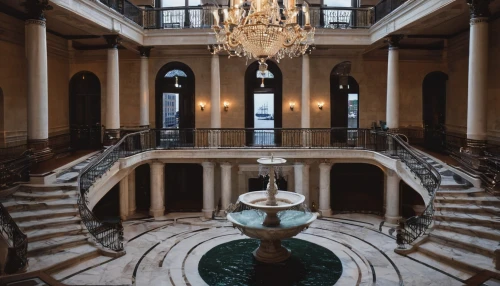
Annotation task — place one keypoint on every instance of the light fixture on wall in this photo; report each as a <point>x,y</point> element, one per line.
<point>226,106</point>
<point>262,83</point>
<point>177,85</point>
<point>202,106</point>
<point>292,105</point>
<point>320,105</point>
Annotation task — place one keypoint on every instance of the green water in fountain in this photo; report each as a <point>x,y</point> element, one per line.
<point>232,263</point>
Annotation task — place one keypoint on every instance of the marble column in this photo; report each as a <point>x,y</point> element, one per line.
<point>225,184</point>
<point>392,109</point>
<point>301,172</point>
<point>157,208</point>
<point>144,87</point>
<point>37,81</point>
<point>305,121</point>
<point>208,189</point>
<point>124,198</point>
<point>478,70</point>
<point>215,115</point>
<point>112,91</point>
<point>131,193</point>
<point>324,189</point>
<point>392,199</point>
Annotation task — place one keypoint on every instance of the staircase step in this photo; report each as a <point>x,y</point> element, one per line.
<point>63,230</point>
<point>483,201</point>
<point>42,196</point>
<point>48,223</point>
<point>19,205</point>
<point>468,229</point>
<point>469,192</point>
<point>456,257</point>
<point>468,209</point>
<point>55,245</point>
<point>82,265</point>
<point>65,258</point>
<point>432,261</point>
<point>473,244</point>
<point>473,219</point>
<point>43,214</point>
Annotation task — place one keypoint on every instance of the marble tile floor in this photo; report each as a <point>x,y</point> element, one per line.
<point>167,251</point>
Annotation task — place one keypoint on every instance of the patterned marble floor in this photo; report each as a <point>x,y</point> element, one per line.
<point>167,252</point>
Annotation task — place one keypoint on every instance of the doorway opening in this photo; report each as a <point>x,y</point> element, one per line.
<point>183,187</point>
<point>85,111</point>
<point>263,105</point>
<point>434,109</point>
<point>344,98</point>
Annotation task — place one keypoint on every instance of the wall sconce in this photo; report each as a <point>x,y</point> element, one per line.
<point>202,106</point>
<point>226,106</point>
<point>177,85</point>
<point>320,105</point>
<point>292,105</point>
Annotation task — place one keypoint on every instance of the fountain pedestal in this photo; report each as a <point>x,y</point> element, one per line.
<point>271,251</point>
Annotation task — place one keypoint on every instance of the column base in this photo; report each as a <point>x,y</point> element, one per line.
<point>392,221</point>
<point>131,212</point>
<point>41,149</point>
<point>157,213</point>
<point>327,212</point>
<point>207,213</point>
<point>111,137</point>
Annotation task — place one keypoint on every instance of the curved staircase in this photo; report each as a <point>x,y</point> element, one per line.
<point>58,243</point>
<point>466,230</point>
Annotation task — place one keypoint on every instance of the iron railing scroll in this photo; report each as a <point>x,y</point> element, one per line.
<point>17,240</point>
<point>341,17</point>
<point>15,170</point>
<point>108,234</point>
<point>179,17</point>
<point>414,227</point>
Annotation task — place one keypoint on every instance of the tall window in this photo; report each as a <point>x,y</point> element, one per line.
<point>171,101</point>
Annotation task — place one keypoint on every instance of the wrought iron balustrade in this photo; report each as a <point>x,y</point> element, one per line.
<point>16,239</point>
<point>340,17</point>
<point>179,17</point>
<point>414,227</point>
<point>15,170</point>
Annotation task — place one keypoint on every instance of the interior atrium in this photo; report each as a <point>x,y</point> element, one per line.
<point>249,142</point>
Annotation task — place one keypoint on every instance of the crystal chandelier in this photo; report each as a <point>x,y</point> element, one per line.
<point>264,33</point>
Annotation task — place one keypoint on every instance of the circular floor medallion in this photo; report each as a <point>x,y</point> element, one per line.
<point>232,263</point>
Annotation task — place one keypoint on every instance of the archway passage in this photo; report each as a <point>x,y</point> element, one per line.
<point>357,188</point>
<point>263,104</point>
<point>183,187</point>
<point>344,99</point>
<point>85,111</point>
<point>434,109</point>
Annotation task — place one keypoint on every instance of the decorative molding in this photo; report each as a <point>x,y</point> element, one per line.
<point>479,8</point>
<point>35,9</point>
<point>474,21</point>
<point>35,22</point>
<point>145,51</point>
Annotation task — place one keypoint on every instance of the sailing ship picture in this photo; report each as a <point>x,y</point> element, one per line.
<point>263,113</point>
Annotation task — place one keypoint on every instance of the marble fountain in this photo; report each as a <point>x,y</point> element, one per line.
<point>271,215</point>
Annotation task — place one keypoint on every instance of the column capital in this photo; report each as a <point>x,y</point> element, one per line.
<point>208,164</point>
<point>156,164</point>
<point>226,165</point>
<point>35,9</point>
<point>393,41</point>
<point>325,165</point>
<point>478,9</point>
<point>112,41</point>
<point>144,51</point>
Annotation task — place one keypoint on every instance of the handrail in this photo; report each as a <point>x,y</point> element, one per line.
<point>15,169</point>
<point>414,227</point>
<point>108,234</point>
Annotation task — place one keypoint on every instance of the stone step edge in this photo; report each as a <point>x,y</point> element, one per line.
<point>57,246</point>
<point>464,230</point>
<point>450,261</point>
<point>38,217</point>
<point>51,224</point>
<point>464,209</point>
<point>45,236</point>
<point>39,206</point>
<point>461,244</point>
<point>65,264</point>
<point>476,221</point>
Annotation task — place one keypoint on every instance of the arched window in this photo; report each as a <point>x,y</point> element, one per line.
<point>175,73</point>
<point>263,102</point>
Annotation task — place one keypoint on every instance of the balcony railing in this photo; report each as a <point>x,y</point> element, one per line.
<point>202,17</point>
<point>385,7</point>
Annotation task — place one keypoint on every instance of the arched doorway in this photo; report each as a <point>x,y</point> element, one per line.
<point>357,187</point>
<point>174,101</point>
<point>344,99</point>
<point>184,187</point>
<point>85,111</point>
<point>263,104</point>
<point>434,109</point>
